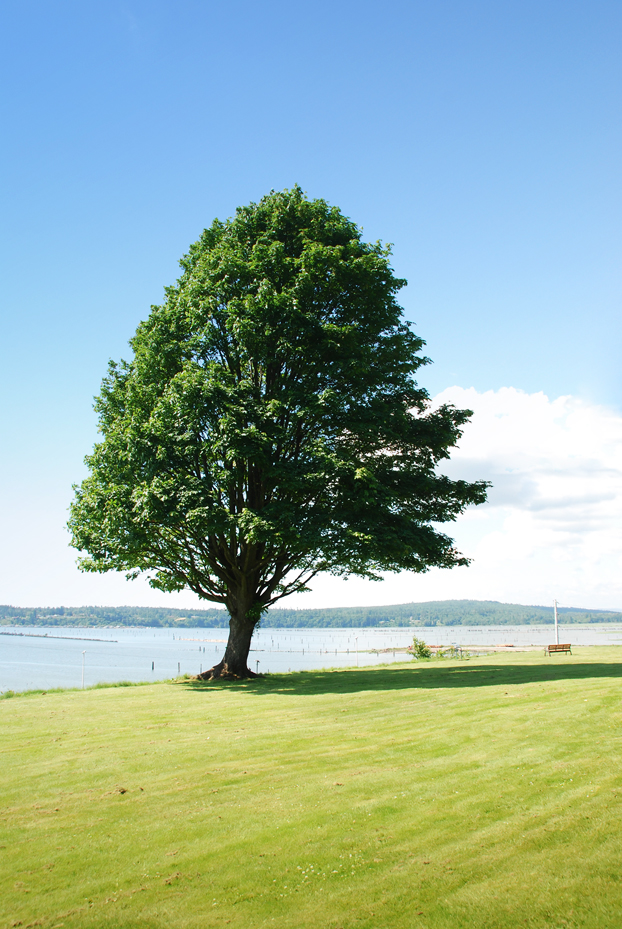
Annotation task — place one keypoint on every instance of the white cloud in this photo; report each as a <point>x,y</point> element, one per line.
<point>552,526</point>
<point>556,469</point>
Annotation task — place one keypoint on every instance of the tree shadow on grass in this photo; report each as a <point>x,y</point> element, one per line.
<point>422,676</point>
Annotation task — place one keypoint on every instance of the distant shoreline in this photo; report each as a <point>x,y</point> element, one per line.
<point>416,615</point>
<point>41,635</point>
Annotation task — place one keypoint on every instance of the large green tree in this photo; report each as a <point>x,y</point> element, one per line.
<point>268,426</point>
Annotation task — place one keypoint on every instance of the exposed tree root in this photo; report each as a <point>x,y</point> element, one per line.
<point>221,673</point>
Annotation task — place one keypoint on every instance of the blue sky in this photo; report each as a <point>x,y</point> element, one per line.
<point>481,138</point>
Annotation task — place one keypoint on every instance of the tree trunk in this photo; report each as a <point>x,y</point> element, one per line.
<point>235,661</point>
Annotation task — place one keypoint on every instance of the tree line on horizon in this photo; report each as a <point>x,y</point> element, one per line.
<point>431,613</point>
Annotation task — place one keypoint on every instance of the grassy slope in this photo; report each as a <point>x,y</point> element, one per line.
<point>459,794</point>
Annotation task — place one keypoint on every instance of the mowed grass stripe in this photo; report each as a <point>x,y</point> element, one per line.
<point>481,793</point>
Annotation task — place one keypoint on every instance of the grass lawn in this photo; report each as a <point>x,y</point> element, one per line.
<point>484,793</point>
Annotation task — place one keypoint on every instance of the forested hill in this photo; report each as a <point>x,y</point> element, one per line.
<point>432,613</point>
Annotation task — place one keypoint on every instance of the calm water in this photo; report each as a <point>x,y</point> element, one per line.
<point>52,657</point>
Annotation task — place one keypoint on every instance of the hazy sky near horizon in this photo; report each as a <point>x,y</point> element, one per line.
<point>483,139</point>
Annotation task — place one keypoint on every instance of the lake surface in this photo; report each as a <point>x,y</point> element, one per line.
<point>40,657</point>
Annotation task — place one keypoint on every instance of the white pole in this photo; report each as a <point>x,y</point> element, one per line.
<point>83,654</point>
<point>556,625</point>
<point>356,639</point>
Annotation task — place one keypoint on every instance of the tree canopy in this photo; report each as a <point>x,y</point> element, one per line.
<point>269,426</point>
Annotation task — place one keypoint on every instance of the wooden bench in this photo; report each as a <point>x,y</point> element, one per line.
<point>553,649</point>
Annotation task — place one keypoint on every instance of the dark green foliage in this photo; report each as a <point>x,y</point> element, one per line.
<point>269,426</point>
<point>433,613</point>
